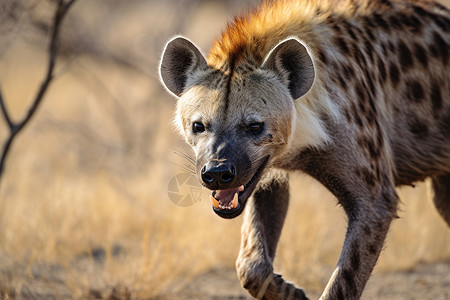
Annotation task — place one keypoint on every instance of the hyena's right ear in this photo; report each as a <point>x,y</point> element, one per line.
<point>293,63</point>
<point>180,58</point>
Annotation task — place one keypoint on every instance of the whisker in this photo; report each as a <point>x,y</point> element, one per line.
<point>190,166</point>
<point>184,155</point>
<point>186,168</point>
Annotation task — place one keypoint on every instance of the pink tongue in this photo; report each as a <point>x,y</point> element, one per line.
<point>226,196</point>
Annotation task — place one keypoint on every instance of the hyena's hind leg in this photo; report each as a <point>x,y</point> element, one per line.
<point>441,186</point>
<point>263,221</point>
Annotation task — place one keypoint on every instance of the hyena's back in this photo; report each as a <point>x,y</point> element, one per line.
<point>396,83</point>
<point>389,73</point>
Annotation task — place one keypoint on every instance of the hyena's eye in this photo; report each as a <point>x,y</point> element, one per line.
<point>198,127</point>
<point>255,127</point>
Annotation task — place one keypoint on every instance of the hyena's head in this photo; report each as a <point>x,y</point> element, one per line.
<point>238,118</point>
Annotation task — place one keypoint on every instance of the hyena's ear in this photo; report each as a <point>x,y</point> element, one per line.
<point>291,61</point>
<point>180,58</point>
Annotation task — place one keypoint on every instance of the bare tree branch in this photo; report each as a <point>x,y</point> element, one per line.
<point>16,127</point>
<point>5,112</point>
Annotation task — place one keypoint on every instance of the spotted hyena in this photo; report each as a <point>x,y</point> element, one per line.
<point>354,93</point>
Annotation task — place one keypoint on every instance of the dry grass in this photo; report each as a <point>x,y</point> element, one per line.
<point>84,210</point>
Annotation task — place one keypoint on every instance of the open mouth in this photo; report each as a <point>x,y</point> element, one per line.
<point>230,203</point>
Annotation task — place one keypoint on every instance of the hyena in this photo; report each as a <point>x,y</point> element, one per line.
<point>354,93</point>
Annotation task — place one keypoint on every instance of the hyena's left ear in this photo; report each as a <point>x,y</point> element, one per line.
<point>291,61</point>
<point>180,59</point>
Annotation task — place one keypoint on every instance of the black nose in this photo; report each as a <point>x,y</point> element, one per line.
<point>218,174</point>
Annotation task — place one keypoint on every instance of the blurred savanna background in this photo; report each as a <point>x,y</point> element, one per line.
<point>91,198</point>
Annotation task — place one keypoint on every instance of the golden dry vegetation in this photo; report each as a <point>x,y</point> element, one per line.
<point>84,205</point>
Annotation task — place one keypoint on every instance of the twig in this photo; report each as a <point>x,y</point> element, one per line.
<point>16,127</point>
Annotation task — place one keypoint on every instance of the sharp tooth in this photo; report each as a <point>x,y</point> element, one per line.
<point>241,188</point>
<point>234,203</point>
<point>214,202</point>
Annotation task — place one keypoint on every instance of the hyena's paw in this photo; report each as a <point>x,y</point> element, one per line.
<point>260,281</point>
<point>255,276</point>
<point>279,288</point>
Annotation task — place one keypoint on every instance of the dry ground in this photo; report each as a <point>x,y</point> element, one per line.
<point>424,281</point>
<point>85,211</point>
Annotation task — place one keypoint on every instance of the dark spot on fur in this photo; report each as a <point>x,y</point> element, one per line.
<point>440,48</point>
<point>381,69</point>
<point>436,98</point>
<point>350,285</point>
<point>362,107</point>
<point>340,42</point>
<point>372,87</point>
<point>380,140</point>
<point>348,115</point>
<point>370,35</point>
<point>373,151</point>
<point>379,20</point>
<point>395,23</point>
<point>442,22</point>
<point>418,128</point>
<point>421,55</point>
<point>427,16</point>
<point>342,82</point>
<point>384,50</point>
<point>248,284</point>
<point>372,105</point>
<point>348,72</point>
<point>368,176</point>
<point>355,259</point>
<point>369,50</point>
<point>406,58</point>
<point>359,120</point>
<point>359,57</point>
<point>412,23</point>
<point>372,248</point>
<point>369,23</point>
<point>394,74</point>
<point>361,142</point>
<point>386,3</point>
<point>371,118</point>
<point>323,57</point>
<point>391,46</point>
<point>337,28</point>
<point>359,92</point>
<point>340,293</point>
<point>415,25</point>
<point>350,31</point>
<point>420,11</point>
<point>414,91</point>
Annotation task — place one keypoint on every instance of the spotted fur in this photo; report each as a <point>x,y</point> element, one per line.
<point>355,93</point>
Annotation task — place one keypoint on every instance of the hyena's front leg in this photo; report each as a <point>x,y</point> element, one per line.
<point>369,218</point>
<point>263,221</point>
